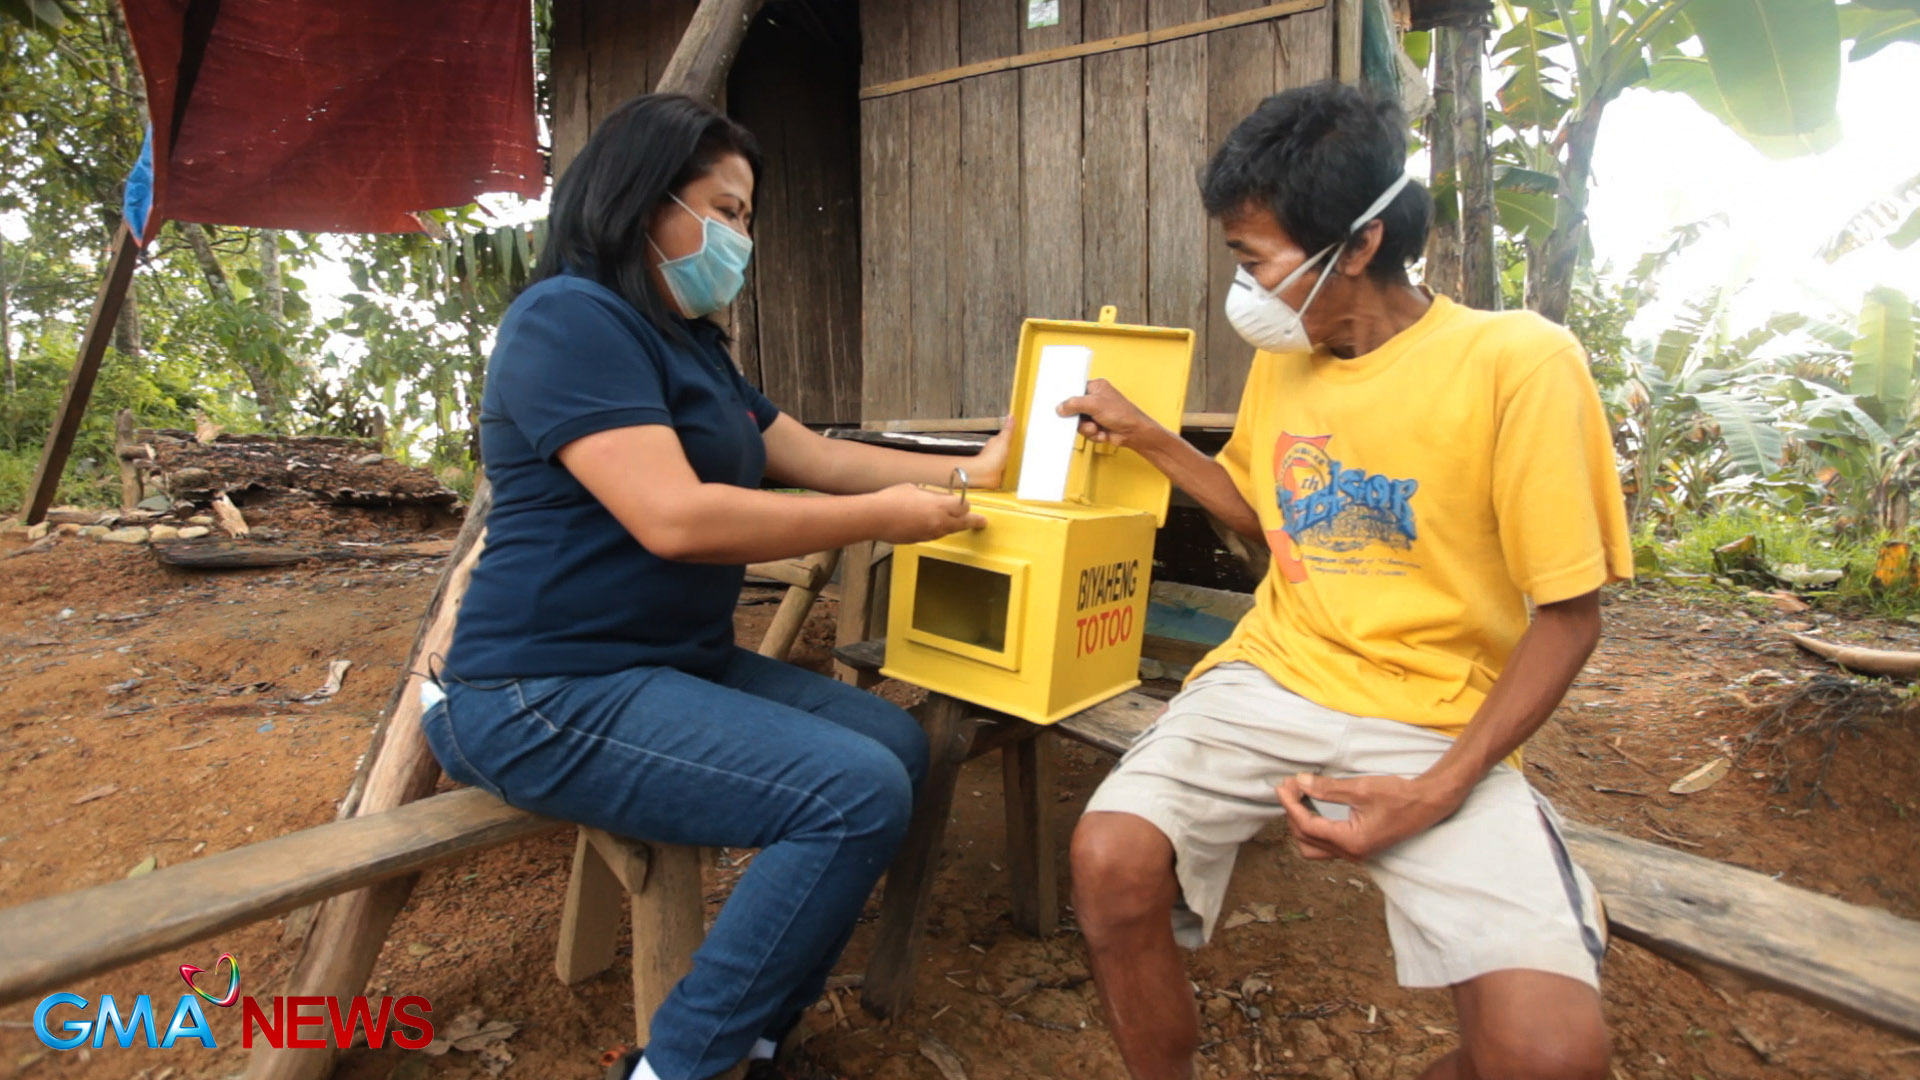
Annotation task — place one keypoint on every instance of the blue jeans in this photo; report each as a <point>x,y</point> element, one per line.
<point>818,775</point>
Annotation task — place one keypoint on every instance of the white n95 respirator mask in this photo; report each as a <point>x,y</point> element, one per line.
<point>1270,323</point>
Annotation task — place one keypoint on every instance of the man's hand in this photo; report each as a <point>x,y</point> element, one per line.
<point>1108,417</point>
<point>1381,812</point>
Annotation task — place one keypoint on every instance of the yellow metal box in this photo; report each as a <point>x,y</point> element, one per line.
<point>1041,613</point>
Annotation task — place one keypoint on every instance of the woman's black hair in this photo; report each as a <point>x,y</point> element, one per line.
<point>1318,156</point>
<point>644,151</point>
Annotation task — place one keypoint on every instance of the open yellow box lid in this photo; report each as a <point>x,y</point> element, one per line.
<point>1149,365</point>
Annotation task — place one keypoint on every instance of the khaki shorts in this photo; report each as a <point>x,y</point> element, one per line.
<point>1489,889</point>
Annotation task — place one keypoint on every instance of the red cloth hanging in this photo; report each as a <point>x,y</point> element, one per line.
<point>335,115</point>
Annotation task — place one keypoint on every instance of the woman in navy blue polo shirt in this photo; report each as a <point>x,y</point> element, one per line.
<point>594,676</point>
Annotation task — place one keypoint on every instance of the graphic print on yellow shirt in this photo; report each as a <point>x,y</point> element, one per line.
<point>1327,505</point>
<point>1414,498</point>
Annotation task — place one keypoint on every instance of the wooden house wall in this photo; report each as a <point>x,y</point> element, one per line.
<point>1050,190</point>
<point>796,326</point>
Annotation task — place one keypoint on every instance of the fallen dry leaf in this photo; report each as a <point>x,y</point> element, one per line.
<point>1019,988</point>
<point>489,1034</point>
<point>494,1058</point>
<point>943,1058</point>
<point>1702,778</point>
<point>96,793</point>
<point>336,674</point>
<point>1238,919</point>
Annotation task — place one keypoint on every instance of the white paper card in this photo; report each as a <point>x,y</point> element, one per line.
<point>1042,13</point>
<point>1048,451</point>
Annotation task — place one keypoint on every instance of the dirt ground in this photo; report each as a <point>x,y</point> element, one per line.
<point>147,716</point>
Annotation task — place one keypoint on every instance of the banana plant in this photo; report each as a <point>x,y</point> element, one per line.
<point>1769,68</point>
<point>1864,442</point>
<point>1894,218</point>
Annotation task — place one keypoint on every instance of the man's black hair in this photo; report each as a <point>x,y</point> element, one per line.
<point>1317,156</point>
<point>643,152</point>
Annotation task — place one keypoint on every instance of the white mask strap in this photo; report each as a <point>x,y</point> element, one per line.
<point>1380,203</point>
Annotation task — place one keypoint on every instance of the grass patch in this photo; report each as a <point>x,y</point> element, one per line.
<point>79,486</point>
<point>1785,541</point>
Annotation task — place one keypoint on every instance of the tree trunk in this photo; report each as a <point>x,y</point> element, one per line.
<point>6,319</point>
<point>210,269</point>
<point>126,332</point>
<point>1443,240</point>
<point>476,383</point>
<point>272,289</point>
<point>1550,276</point>
<point>114,27</point>
<point>265,395</point>
<point>1479,271</point>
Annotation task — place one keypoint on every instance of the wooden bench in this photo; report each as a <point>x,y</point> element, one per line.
<point>1736,928</point>
<point>51,943</point>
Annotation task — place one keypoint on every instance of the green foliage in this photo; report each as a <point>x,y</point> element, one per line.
<point>46,16</point>
<point>1768,69</point>
<point>1784,540</point>
<point>1894,218</point>
<point>1775,63</point>
<point>1883,355</point>
<point>1873,25</point>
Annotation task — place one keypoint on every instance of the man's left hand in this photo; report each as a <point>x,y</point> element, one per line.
<point>1381,812</point>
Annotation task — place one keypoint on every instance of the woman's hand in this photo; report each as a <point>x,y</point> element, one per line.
<point>988,469</point>
<point>910,514</point>
<point>1108,417</point>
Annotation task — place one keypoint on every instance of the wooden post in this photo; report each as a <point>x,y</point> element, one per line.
<point>590,920</point>
<point>700,62</point>
<point>797,604</point>
<point>850,626</point>
<point>1027,767</point>
<point>668,925</point>
<point>446,595</point>
<point>86,368</point>
<point>126,451</point>
<point>903,910</point>
<point>1348,16</point>
<point>864,582</point>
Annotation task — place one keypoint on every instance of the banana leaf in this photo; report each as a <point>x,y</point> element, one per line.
<point>1883,353</point>
<point>1873,25</point>
<point>1755,445</point>
<point>1776,62</point>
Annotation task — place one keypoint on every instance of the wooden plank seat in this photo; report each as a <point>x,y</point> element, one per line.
<point>1734,926</point>
<point>51,942</point>
<point>48,944</point>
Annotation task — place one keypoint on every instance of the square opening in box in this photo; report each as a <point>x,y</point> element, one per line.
<point>966,604</point>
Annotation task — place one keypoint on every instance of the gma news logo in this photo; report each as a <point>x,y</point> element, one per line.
<point>68,1021</point>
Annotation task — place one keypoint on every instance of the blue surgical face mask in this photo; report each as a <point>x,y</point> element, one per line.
<point>707,280</point>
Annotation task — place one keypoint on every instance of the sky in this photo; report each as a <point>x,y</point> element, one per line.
<point>1662,161</point>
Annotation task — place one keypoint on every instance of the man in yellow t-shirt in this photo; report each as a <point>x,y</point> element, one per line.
<point>1419,471</point>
